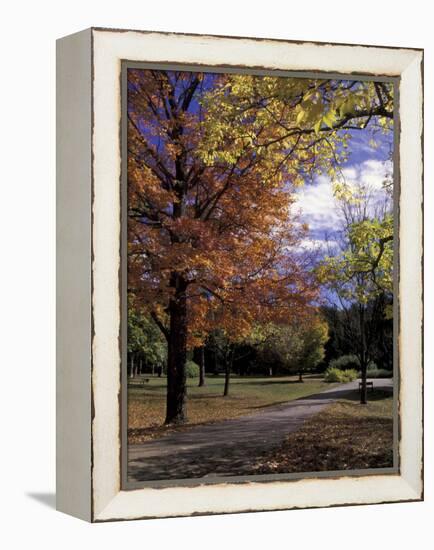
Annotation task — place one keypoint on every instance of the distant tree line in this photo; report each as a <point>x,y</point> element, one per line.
<point>270,350</point>
<point>344,331</point>
<point>273,350</point>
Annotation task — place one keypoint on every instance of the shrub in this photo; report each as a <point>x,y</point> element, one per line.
<point>345,362</point>
<point>333,374</point>
<point>192,369</point>
<point>350,375</point>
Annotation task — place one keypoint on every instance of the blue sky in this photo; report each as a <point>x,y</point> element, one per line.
<point>366,164</point>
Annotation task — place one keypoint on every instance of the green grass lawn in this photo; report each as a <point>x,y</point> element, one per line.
<point>146,403</point>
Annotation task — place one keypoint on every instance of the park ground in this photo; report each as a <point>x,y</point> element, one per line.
<point>147,400</point>
<point>335,432</point>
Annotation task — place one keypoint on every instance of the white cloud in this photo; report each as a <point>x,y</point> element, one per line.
<point>317,205</point>
<point>374,172</point>
<point>350,173</point>
<point>318,244</point>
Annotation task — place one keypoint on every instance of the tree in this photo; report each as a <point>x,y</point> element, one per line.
<point>229,350</point>
<point>361,275</point>
<point>144,341</point>
<point>313,338</point>
<point>344,331</point>
<point>225,348</point>
<point>298,127</point>
<point>295,347</point>
<point>212,165</point>
<point>199,359</point>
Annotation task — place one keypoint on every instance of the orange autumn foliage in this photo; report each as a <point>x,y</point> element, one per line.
<point>226,228</point>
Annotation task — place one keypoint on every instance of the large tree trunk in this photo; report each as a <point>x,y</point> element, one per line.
<point>177,355</point>
<point>363,361</point>
<point>199,358</point>
<point>300,376</point>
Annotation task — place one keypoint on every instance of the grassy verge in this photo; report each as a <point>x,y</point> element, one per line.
<point>146,402</point>
<point>345,436</point>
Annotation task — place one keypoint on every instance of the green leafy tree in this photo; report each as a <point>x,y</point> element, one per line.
<point>297,347</point>
<point>145,341</point>
<point>361,275</point>
<point>313,338</point>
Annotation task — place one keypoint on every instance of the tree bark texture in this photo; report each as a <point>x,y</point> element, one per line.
<point>363,359</point>
<point>177,355</point>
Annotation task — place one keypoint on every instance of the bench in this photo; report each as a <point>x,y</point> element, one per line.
<point>369,384</point>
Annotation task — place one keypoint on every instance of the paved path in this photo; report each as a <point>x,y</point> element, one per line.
<point>229,446</point>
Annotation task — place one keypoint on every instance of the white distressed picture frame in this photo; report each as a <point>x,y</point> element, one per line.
<point>88,274</point>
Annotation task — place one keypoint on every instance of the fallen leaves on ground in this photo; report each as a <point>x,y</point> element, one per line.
<point>145,419</point>
<point>345,436</point>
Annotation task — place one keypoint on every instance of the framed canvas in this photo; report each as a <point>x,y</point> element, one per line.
<point>239,274</point>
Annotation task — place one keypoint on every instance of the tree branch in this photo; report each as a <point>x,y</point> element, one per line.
<point>160,325</point>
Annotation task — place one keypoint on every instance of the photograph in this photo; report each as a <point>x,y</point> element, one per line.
<point>260,213</point>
